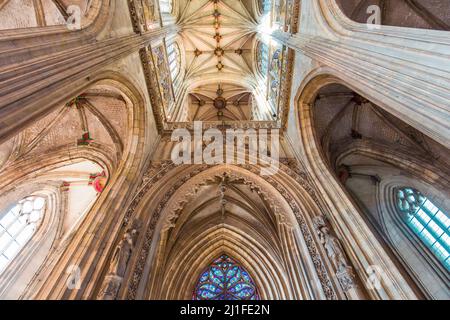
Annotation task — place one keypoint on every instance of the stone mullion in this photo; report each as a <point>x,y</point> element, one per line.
<point>32,91</point>
<point>398,83</point>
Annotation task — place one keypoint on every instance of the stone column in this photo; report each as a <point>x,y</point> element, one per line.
<point>32,89</point>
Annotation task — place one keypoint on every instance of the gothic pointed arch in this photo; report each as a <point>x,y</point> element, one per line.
<point>351,142</point>
<point>74,158</point>
<point>219,209</point>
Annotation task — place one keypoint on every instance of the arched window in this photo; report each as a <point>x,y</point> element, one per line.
<point>17,227</point>
<point>262,56</point>
<point>165,6</point>
<point>225,279</point>
<point>427,221</point>
<point>274,76</point>
<point>265,6</point>
<point>174,57</point>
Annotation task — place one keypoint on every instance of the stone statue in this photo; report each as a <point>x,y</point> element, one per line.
<point>140,14</point>
<point>122,253</point>
<point>335,252</point>
<point>332,247</point>
<point>119,263</point>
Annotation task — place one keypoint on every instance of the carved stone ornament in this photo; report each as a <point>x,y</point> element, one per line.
<point>110,287</point>
<point>336,254</point>
<point>157,171</point>
<point>119,263</point>
<point>346,278</point>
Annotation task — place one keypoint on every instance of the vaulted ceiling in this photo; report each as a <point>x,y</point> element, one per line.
<point>346,121</point>
<point>218,39</point>
<point>220,102</point>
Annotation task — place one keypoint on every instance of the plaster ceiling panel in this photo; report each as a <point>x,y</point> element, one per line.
<point>80,167</point>
<point>9,19</point>
<point>373,127</point>
<point>16,14</point>
<point>66,131</point>
<point>98,131</point>
<point>30,133</point>
<point>5,150</point>
<point>115,111</point>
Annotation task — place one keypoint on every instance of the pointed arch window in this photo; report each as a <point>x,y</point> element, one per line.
<point>263,58</point>
<point>265,6</point>
<point>275,67</point>
<point>18,225</point>
<point>166,6</point>
<point>430,223</point>
<point>225,279</point>
<point>174,58</point>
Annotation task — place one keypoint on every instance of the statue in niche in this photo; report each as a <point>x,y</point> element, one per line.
<point>288,18</point>
<point>122,253</point>
<point>169,6</point>
<point>280,12</point>
<point>335,252</point>
<point>119,263</point>
<point>163,75</point>
<point>149,10</point>
<point>332,247</point>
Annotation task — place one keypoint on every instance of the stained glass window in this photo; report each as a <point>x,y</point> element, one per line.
<point>166,6</point>
<point>263,58</point>
<point>225,279</point>
<point>430,223</point>
<point>174,57</point>
<point>17,226</point>
<point>265,5</point>
<point>274,76</point>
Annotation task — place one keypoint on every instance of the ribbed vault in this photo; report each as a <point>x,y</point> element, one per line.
<point>218,40</point>
<point>226,210</point>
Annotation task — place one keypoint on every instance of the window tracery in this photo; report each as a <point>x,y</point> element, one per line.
<point>427,221</point>
<point>225,279</point>
<point>18,225</point>
<point>174,59</point>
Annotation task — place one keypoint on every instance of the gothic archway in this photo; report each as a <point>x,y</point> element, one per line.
<point>351,141</point>
<point>112,110</point>
<point>215,209</point>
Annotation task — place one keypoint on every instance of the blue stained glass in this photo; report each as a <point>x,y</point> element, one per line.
<point>265,5</point>
<point>225,279</point>
<point>428,221</point>
<point>263,58</point>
